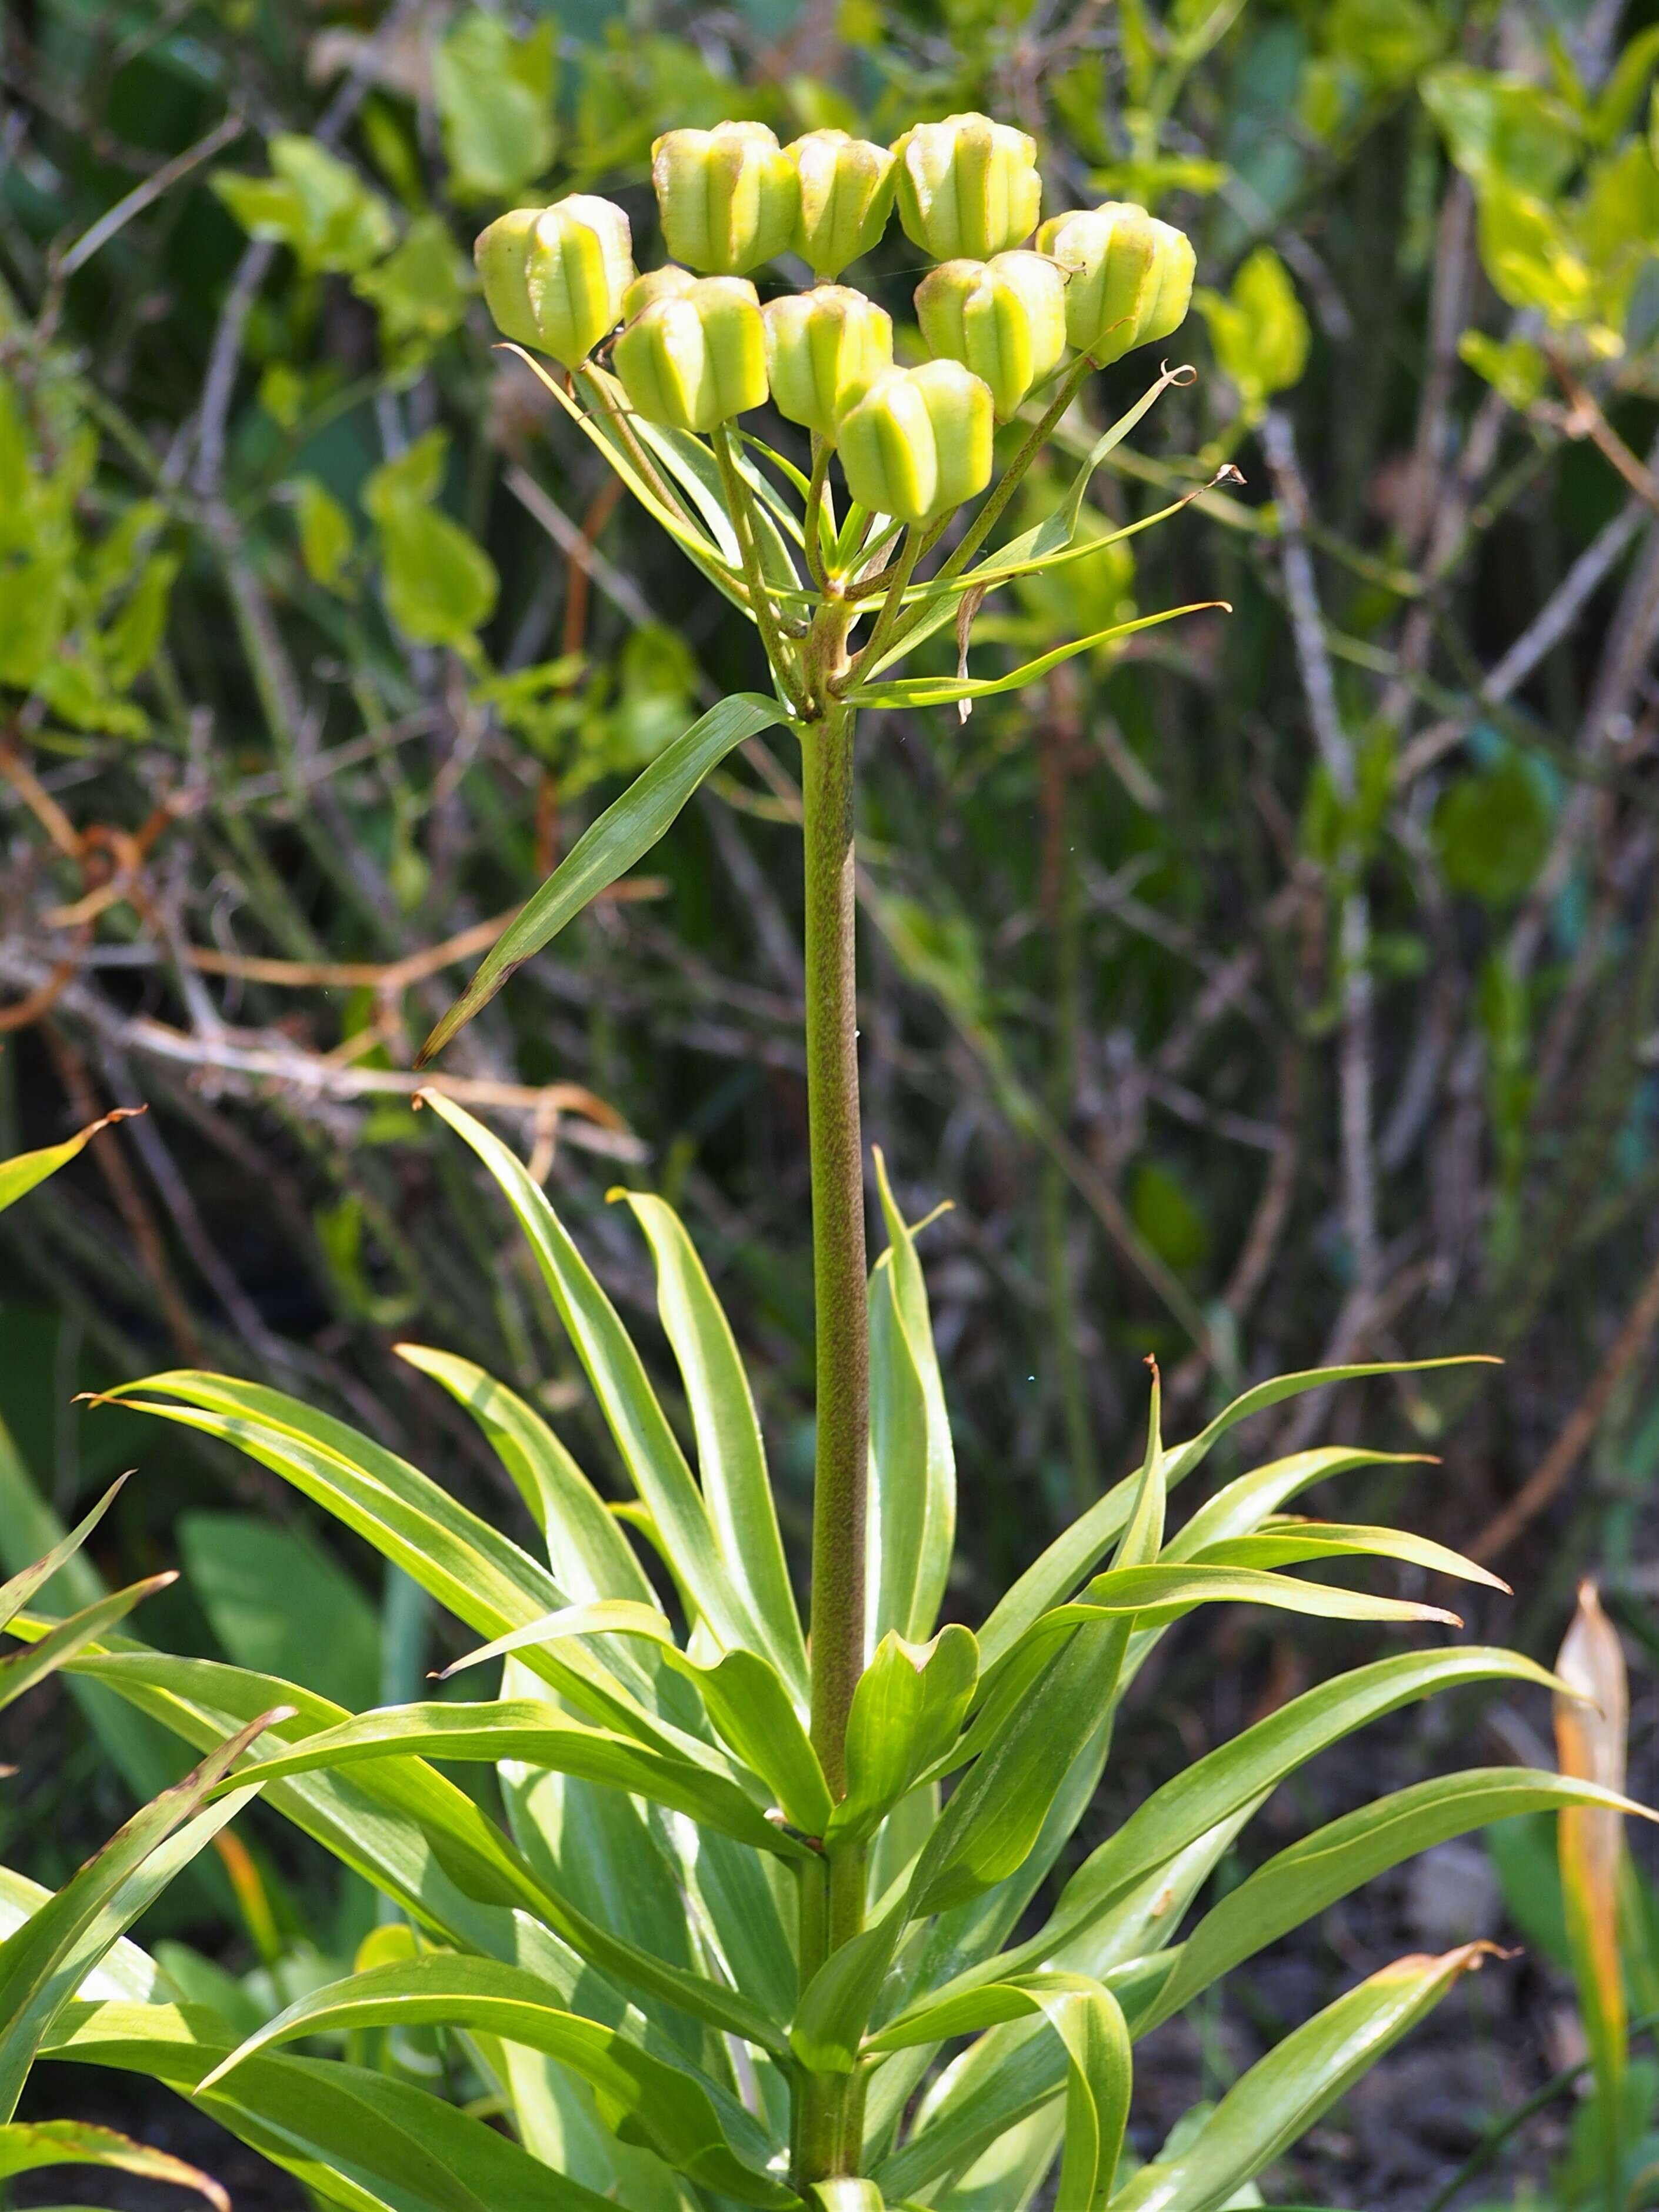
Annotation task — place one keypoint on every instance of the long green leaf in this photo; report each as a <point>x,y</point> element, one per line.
<point>23,1170</point>
<point>21,1670</point>
<point>943,690</point>
<point>479,1574</point>
<point>362,2140</point>
<point>1274,2105</point>
<point>1158,1592</point>
<point>1235,1774</point>
<point>649,1448</point>
<point>412,1833</point>
<point>687,2122</point>
<point>1302,1881</point>
<point>623,834</point>
<point>909,1702</point>
<point>1089,2022</point>
<point>731,1456</point>
<point>536,1736</point>
<point>1062,1566</point>
<point>912,1313</point>
<point>32,1958</point>
<point>1288,1542</point>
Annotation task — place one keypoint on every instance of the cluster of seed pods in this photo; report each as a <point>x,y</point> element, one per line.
<point>997,315</point>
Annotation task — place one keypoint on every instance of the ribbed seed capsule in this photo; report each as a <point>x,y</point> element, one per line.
<point>553,277</point>
<point>692,359</point>
<point>967,187</point>
<point>728,197</point>
<point>1107,254</point>
<point>919,442</point>
<point>824,349</point>
<point>1005,318</point>
<point>1129,276</point>
<point>1174,263</point>
<point>845,198</point>
<point>668,282</point>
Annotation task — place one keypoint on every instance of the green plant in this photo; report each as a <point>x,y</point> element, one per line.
<point>735,1920</point>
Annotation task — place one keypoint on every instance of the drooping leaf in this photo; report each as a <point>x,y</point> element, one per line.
<point>689,2123</point>
<point>32,1958</point>
<point>26,2146</point>
<point>623,834</point>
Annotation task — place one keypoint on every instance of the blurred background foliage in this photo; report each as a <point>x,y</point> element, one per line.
<point>1281,987</point>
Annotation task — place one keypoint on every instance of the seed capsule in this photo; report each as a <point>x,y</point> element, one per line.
<point>668,282</point>
<point>1005,318</point>
<point>919,442</point>
<point>845,198</point>
<point>967,187</point>
<point>728,197</point>
<point>824,349</point>
<point>1129,276</point>
<point>693,358</point>
<point>553,277</point>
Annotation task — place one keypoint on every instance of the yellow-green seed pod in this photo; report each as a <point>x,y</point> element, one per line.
<point>919,442</point>
<point>968,188</point>
<point>1109,254</point>
<point>553,277</point>
<point>824,349</point>
<point>667,283</point>
<point>845,198</point>
<point>1005,318</point>
<point>696,358</point>
<point>1174,263</point>
<point>728,197</point>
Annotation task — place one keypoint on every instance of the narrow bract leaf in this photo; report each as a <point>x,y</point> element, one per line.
<point>15,1593</point>
<point>913,1320</point>
<point>623,834</point>
<point>942,690</point>
<point>21,1670</point>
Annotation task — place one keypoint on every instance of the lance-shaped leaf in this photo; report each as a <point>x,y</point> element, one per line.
<point>23,1170</point>
<point>908,1706</point>
<point>688,2122</point>
<point>408,1830</point>
<point>1272,2106</point>
<point>1206,1793</point>
<point>1287,1540</point>
<point>649,1448</point>
<point>1032,1733</point>
<point>536,1736</point>
<point>623,834</point>
<point>26,2146</point>
<point>836,2005</point>
<point>479,1574</point>
<point>32,1958</point>
<point>362,2140</point>
<point>1062,1566</point>
<point>1298,1883</point>
<point>912,1319</point>
<point>21,1670</point>
<point>731,1457</point>
<point>745,1698</point>
<point>15,1593</point>
<point>1089,2022</point>
<point>589,1554</point>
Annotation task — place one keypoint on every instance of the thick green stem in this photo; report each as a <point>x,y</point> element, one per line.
<point>829,2107</point>
<point>838,1255</point>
